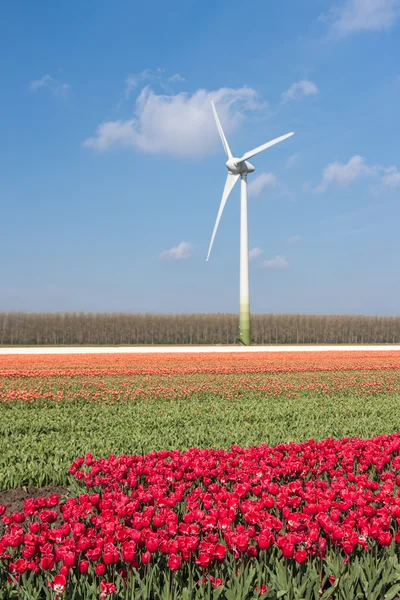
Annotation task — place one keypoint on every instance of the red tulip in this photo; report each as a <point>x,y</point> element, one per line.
<point>100,569</point>
<point>110,554</point>
<point>263,589</point>
<point>203,560</point>
<point>129,551</point>
<point>59,584</point>
<point>69,559</point>
<point>146,557</point>
<point>300,556</point>
<point>174,562</point>
<point>47,562</point>
<point>83,566</point>
<point>264,540</point>
<point>107,589</point>
<point>20,566</point>
<point>64,570</point>
<point>288,550</point>
<point>53,500</point>
<point>220,552</point>
<point>152,544</point>
<point>385,538</point>
<point>34,527</point>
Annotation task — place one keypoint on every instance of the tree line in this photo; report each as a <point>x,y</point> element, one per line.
<point>18,328</point>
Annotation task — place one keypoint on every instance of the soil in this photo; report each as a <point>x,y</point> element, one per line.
<point>14,499</point>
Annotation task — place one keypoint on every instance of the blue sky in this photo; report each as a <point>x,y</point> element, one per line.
<point>112,170</point>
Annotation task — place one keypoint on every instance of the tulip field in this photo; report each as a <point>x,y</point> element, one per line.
<point>199,476</point>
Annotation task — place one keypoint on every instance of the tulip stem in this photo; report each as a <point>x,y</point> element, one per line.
<point>190,577</point>
<point>260,568</point>
<point>170,584</point>
<point>320,575</point>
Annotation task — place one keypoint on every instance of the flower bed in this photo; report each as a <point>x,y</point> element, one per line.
<point>310,520</point>
<point>94,365</point>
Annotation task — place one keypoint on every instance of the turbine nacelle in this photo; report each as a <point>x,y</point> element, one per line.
<point>236,166</point>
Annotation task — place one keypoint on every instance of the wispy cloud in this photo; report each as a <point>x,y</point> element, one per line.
<point>47,82</point>
<point>176,78</point>
<point>260,182</point>
<point>40,83</point>
<point>152,76</point>
<point>254,253</point>
<point>279,262</point>
<point>135,79</point>
<point>299,90</point>
<point>293,239</point>
<point>131,83</point>
<point>391,178</point>
<point>178,125</point>
<point>352,16</point>
<point>292,159</point>
<point>344,174</point>
<point>264,181</point>
<point>179,252</point>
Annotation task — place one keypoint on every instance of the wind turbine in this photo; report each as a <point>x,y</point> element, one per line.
<point>240,167</point>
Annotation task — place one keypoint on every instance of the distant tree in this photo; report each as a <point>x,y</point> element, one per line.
<point>18,328</point>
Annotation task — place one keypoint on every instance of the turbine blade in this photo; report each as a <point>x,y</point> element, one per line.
<point>229,185</point>
<point>221,132</point>
<point>252,153</point>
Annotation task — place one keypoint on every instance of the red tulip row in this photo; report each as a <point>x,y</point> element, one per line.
<point>203,509</point>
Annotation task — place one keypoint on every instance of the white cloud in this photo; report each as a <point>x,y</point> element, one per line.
<point>183,250</point>
<point>48,82</point>
<point>345,174</point>
<point>254,253</point>
<point>299,90</point>
<point>293,239</point>
<point>178,125</point>
<point>260,182</point>
<point>352,16</point>
<point>279,262</point>
<point>112,133</point>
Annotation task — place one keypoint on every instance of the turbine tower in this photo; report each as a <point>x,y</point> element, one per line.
<point>240,167</point>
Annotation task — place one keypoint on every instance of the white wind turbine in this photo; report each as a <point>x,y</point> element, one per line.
<point>240,167</point>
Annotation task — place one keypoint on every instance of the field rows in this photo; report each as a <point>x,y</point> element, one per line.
<point>53,408</point>
<point>152,387</point>
<point>189,482</point>
<point>93,365</point>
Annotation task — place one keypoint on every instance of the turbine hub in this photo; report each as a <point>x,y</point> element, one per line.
<point>239,168</point>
